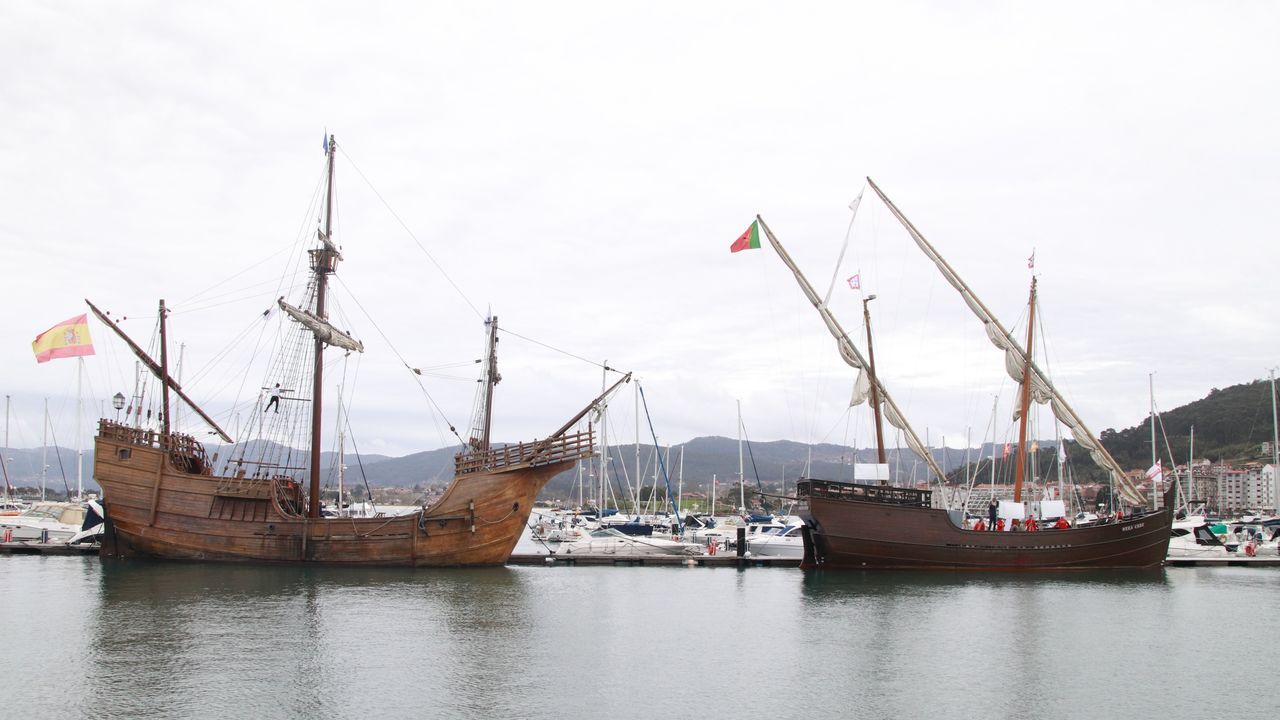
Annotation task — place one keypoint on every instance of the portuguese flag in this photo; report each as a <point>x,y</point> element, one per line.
<point>750,240</point>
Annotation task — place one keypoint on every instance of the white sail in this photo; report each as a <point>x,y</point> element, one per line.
<point>861,388</point>
<point>1015,356</point>
<point>324,332</point>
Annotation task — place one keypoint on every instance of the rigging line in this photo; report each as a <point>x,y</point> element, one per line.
<point>301,233</point>
<point>661,464</point>
<point>763,503</point>
<point>58,451</point>
<point>507,331</point>
<point>414,372</point>
<point>411,235</point>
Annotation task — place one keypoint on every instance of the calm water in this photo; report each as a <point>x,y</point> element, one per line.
<point>139,640</point>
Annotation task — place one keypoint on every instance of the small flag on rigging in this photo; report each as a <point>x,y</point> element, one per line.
<point>1031,261</point>
<point>855,282</point>
<point>1156,473</point>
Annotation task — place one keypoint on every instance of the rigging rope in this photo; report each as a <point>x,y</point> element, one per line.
<point>411,235</point>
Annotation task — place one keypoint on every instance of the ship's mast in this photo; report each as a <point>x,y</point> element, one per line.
<point>491,378</point>
<point>875,393</point>
<point>323,261</point>
<point>1025,400</point>
<point>164,373</point>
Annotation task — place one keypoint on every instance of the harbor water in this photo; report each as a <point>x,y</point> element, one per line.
<point>134,639</point>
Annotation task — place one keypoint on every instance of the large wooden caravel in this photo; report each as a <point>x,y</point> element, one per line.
<point>163,499</point>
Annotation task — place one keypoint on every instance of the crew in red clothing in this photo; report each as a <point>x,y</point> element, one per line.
<point>1031,525</point>
<point>1062,524</point>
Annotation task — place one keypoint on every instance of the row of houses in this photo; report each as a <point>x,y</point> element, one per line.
<point>1230,490</point>
<point>1219,488</point>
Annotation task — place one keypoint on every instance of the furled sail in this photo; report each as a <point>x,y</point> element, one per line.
<point>1042,390</point>
<point>324,332</point>
<point>852,357</point>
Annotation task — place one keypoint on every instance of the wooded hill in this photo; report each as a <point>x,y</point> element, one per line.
<point>1231,424</point>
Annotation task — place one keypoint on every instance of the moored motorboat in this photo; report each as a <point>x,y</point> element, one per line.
<point>786,542</point>
<point>608,541</point>
<point>45,522</point>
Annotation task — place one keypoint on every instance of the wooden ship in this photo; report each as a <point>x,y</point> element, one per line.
<point>851,525</point>
<point>163,498</point>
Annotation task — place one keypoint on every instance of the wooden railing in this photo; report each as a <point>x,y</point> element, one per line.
<point>534,454</point>
<point>176,444</point>
<point>885,494</point>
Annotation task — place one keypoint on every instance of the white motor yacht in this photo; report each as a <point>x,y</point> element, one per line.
<point>44,522</point>
<point>786,542</point>
<point>607,541</point>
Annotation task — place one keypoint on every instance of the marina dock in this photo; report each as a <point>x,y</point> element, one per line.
<point>22,548</point>
<point>654,560</point>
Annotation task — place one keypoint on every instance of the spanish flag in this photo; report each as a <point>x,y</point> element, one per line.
<point>69,338</point>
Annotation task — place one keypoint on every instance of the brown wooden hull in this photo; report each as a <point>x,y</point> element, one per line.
<point>856,534</point>
<point>158,510</point>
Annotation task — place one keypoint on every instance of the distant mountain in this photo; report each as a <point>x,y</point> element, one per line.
<point>1231,425</point>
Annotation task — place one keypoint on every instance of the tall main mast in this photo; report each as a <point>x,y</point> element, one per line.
<point>323,262</point>
<point>1025,401</point>
<point>875,395</point>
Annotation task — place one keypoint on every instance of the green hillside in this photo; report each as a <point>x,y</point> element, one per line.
<point>1231,424</point>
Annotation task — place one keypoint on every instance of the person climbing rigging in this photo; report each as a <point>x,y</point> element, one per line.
<point>274,402</point>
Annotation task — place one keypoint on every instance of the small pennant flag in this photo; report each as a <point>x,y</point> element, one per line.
<point>69,338</point>
<point>1031,261</point>
<point>749,240</point>
<point>855,282</point>
<point>1006,449</point>
<point>1156,473</point>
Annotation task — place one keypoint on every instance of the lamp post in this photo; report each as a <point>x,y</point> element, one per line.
<point>117,402</point>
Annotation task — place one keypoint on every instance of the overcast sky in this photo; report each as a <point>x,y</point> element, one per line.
<point>582,168</point>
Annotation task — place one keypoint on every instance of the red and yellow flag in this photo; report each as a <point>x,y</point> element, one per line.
<point>749,240</point>
<point>69,338</point>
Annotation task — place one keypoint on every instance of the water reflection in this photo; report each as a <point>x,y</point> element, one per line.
<point>838,586</point>
<point>225,641</point>
<point>286,641</point>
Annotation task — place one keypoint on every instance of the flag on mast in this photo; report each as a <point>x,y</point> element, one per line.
<point>855,282</point>
<point>69,338</point>
<point>749,240</point>
<point>1156,473</point>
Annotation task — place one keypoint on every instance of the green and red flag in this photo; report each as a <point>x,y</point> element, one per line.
<point>749,240</point>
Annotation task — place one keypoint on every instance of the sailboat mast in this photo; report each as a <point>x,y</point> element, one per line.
<point>1191,473</point>
<point>490,379</point>
<point>4,459</point>
<point>323,261</point>
<point>742,483</point>
<point>44,450</point>
<point>875,392</point>
<point>1151,392</point>
<point>1026,399</point>
<point>164,372</point>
